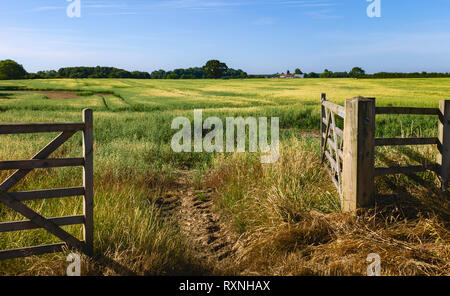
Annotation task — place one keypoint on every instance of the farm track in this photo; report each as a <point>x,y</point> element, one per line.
<point>104,101</point>
<point>211,240</point>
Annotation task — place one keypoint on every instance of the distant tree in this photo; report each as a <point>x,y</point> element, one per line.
<point>47,74</point>
<point>357,72</point>
<point>232,73</point>
<point>298,71</point>
<point>187,76</point>
<point>214,68</point>
<point>312,75</point>
<point>172,76</point>
<point>32,76</point>
<point>326,74</point>
<point>9,69</point>
<point>140,75</point>
<point>288,72</point>
<point>160,74</point>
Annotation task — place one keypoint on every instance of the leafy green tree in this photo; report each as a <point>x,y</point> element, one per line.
<point>232,73</point>
<point>214,68</point>
<point>298,71</point>
<point>357,72</point>
<point>312,75</point>
<point>326,74</point>
<point>160,74</point>
<point>172,76</point>
<point>9,69</point>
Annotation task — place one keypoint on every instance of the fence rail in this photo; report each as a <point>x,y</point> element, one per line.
<point>29,128</point>
<point>53,225</point>
<point>407,110</point>
<point>405,141</point>
<point>351,161</point>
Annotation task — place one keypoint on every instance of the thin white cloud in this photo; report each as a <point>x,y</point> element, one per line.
<point>202,5</point>
<point>311,3</point>
<point>265,21</point>
<point>103,6</point>
<point>84,5</point>
<point>48,8</point>
<point>323,14</point>
<point>115,13</point>
<point>198,4</point>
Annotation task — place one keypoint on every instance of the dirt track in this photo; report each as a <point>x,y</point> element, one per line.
<point>211,240</point>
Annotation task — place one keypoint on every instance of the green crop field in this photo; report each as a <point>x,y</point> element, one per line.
<point>135,166</point>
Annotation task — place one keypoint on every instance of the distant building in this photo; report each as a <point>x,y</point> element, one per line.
<point>292,76</point>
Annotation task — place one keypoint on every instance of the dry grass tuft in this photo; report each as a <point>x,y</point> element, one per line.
<point>338,244</point>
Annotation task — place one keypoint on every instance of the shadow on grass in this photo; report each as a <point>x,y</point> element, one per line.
<point>103,263</point>
<point>413,195</point>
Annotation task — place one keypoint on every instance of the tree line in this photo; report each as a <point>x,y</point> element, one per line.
<point>358,72</point>
<point>10,69</point>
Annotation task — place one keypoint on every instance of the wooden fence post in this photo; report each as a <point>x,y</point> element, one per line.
<point>359,151</point>
<point>443,158</point>
<point>322,116</point>
<point>88,179</point>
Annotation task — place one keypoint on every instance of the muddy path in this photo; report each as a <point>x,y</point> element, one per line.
<point>211,239</point>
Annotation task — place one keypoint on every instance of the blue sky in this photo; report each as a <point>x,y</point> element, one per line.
<point>264,36</point>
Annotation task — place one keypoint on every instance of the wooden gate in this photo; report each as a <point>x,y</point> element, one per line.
<point>349,154</point>
<point>332,141</point>
<point>14,199</point>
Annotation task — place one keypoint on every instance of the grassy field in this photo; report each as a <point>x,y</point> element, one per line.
<point>287,215</point>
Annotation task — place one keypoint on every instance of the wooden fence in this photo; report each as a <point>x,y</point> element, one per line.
<point>349,152</point>
<point>14,199</point>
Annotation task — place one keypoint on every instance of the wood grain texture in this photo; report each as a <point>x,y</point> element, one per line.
<point>359,150</point>
<point>40,163</point>
<point>26,225</point>
<point>27,128</point>
<point>338,109</point>
<point>88,179</point>
<point>48,193</point>
<point>443,157</point>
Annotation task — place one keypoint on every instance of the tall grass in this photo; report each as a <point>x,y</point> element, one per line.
<point>256,195</point>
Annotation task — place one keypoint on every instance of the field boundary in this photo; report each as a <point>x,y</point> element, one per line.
<point>14,199</point>
<point>349,153</point>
